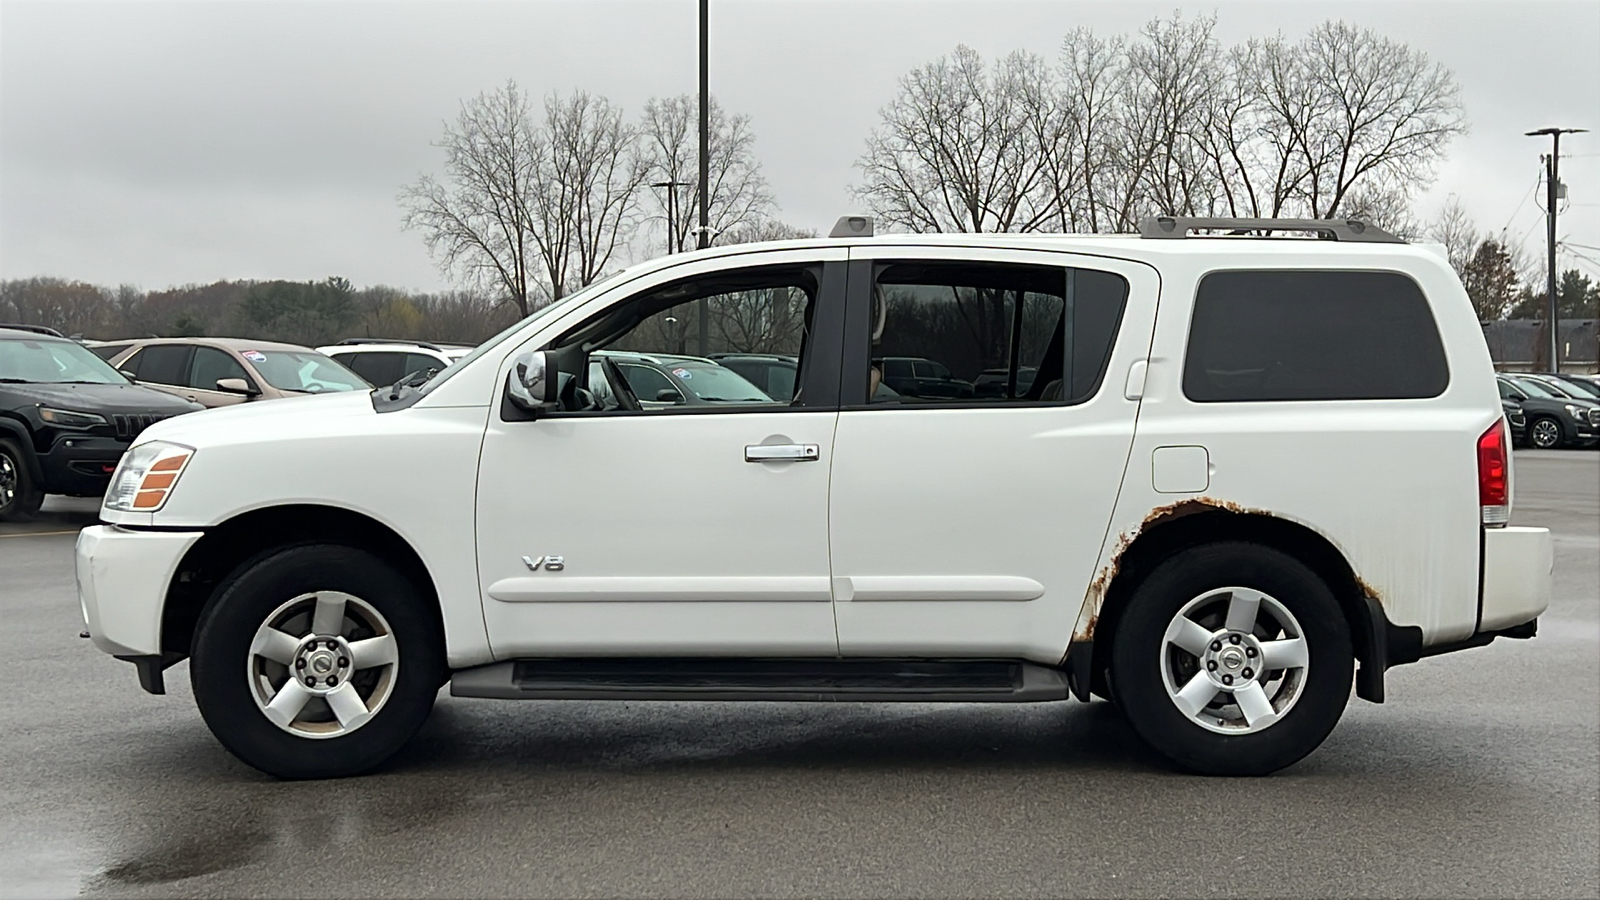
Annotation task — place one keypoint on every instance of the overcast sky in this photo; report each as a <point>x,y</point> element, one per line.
<point>163,143</point>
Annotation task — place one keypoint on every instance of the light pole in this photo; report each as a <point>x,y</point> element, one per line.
<point>705,161</point>
<point>674,245</point>
<point>1553,181</point>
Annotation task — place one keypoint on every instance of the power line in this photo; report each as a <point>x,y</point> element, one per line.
<point>1531,188</point>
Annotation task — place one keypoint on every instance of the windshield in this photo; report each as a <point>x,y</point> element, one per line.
<point>1530,386</point>
<point>714,384</point>
<point>559,306</point>
<point>54,362</point>
<point>304,370</point>
<point>1582,389</point>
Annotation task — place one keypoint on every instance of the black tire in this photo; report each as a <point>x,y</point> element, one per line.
<point>1536,441</point>
<point>221,658</point>
<point>20,497</point>
<point>1137,660</point>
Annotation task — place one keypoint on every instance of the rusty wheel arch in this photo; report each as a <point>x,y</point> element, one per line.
<point>1168,530</point>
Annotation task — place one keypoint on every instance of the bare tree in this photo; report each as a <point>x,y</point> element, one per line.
<point>1457,232</point>
<point>953,152</point>
<point>478,223</point>
<point>670,146</point>
<point>586,188</point>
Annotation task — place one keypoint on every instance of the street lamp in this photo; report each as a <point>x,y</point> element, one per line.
<point>1553,181</point>
<point>673,244</point>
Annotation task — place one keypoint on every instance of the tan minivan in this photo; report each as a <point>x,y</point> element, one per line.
<point>224,371</point>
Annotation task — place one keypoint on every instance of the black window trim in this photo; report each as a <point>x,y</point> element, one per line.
<point>1449,374</point>
<point>817,382</point>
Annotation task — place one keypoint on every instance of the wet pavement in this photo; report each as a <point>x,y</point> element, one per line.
<point>1479,777</point>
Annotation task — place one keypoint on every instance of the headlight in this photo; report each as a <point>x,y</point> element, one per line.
<point>1577,412</point>
<point>146,476</point>
<point>66,418</point>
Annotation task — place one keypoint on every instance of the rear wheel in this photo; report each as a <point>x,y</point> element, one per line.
<point>1232,659</point>
<point>1545,433</point>
<point>20,498</point>
<point>316,662</point>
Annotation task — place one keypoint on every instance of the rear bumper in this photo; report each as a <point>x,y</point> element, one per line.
<point>1517,567</point>
<point>123,578</point>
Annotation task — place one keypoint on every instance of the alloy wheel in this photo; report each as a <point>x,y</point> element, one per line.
<point>323,664</point>
<point>1234,660</point>
<point>1546,434</point>
<point>8,479</point>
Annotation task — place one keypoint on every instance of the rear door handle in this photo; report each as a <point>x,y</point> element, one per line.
<point>781,452</point>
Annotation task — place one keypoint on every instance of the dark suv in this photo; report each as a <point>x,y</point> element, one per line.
<point>65,418</point>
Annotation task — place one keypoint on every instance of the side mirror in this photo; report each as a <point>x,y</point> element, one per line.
<point>531,386</point>
<point>668,395</point>
<point>236,386</point>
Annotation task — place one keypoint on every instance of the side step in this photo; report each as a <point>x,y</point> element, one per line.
<point>828,680</point>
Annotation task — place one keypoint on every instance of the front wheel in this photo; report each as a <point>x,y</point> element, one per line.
<point>1232,659</point>
<point>315,662</point>
<point>1545,433</point>
<point>20,498</point>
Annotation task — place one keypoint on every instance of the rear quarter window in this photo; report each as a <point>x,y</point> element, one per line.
<point>1312,335</point>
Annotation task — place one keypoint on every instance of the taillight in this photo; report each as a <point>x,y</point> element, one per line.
<point>1494,476</point>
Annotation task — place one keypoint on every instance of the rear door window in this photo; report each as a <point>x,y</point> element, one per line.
<point>106,351</point>
<point>381,367</point>
<point>163,364</point>
<point>1312,335</point>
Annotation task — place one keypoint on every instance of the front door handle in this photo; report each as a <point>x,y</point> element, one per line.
<point>781,452</point>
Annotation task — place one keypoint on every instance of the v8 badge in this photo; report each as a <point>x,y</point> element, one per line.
<point>547,563</point>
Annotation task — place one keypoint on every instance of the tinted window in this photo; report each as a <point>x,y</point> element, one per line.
<point>163,364</point>
<point>211,366</point>
<point>986,334</point>
<point>106,351</point>
<point>417,362</point>
<point>379,368</point>
<point>1288,335</point>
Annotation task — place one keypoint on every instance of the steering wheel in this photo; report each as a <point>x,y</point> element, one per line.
<point>626,399</point>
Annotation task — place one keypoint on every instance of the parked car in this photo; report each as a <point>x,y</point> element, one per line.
<point>32,329</point>
<point>1517,418</point>
<point>1554,420</point>
<point>774,373</point>
<point>1288,476</point>
<point>225,371</point>
<point>384,362</point>
<point>922,379</point>
<point>658,380</point>
<point>65,419</point>
<point>992,382</point>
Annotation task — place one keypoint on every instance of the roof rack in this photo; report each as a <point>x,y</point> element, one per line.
<point>1351,230</point>
<point>423,344</point>
<point>36,329</point>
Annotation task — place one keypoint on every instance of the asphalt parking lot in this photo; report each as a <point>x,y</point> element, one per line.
<point>1479,777</point>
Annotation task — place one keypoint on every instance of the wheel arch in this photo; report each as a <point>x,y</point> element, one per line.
<point>1194,523</point>
<point>259,532</point>
<point>18,432</point>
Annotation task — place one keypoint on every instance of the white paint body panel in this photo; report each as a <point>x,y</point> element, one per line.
<point>122,582</point>
<point>1517,568</point>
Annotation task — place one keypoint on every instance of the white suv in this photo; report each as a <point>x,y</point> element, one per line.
<point>1219,473</point>
<point>382,361</point>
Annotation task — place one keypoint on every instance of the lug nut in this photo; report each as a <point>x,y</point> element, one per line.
<point>1247,673</point>
<point>1233,639</point>
<point>343,661</point>
<point>300,663</point>
<point>311,682</point>
<point>1215,646</point>
<point>332,646</point>
<point>1211,665</point>
<point>1227,679</point>
<point>1250,652</point>
<point>333,680</point>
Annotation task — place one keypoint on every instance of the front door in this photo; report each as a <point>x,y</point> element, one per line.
<point>620,527</point>
<point>968,509</point>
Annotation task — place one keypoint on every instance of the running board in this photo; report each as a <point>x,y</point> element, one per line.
<point>826,680</point>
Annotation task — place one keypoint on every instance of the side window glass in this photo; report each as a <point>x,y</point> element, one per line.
<point>211,366</point>
<point>132,363</point>
<point>165,364</point>
<point>379,368</point>
<point>417,362</point>
<point>1312,335</point>
<point>991,334</point>
<point>106,351</point>
<point>661,342</point>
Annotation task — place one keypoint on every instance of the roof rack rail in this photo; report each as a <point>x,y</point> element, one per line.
<point>370,340</point>
<point>36,329</point>
<point>1352,230</point>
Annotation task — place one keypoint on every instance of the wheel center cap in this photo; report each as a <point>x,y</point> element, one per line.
<point>1232,658</point>
<point>322,663</point>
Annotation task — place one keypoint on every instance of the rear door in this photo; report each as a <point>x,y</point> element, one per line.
<point>967,525</point>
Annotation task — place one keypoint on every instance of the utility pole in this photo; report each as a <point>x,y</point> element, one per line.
<point>1552,186</point>
<point>705,162</point>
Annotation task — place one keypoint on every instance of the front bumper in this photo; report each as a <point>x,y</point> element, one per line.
<point>80,465</point>
<point>1517,567</point>
<point>123,578</point>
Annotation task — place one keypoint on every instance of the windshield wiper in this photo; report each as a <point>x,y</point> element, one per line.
<point>415,380</point>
